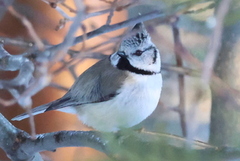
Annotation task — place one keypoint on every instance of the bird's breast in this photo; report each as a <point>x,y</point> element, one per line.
<point>137,99</point>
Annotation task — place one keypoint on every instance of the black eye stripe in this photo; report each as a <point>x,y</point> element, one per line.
<point>138,53</point>
<point>149,48</point>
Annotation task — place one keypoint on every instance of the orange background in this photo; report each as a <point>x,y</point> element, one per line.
<point>44,20</point>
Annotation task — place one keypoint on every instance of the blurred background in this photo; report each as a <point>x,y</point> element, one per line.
<point>211,115</point>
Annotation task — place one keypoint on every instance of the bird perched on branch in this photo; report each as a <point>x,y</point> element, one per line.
<point>117,92</point>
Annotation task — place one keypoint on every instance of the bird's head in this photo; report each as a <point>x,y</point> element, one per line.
<point>137,53</point>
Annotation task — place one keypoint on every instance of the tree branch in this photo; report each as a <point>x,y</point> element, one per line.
<point>215,41</point>
<point>178,48</point>
<point>16,42</point>
<point>19,145</point>
<point>109,28</point>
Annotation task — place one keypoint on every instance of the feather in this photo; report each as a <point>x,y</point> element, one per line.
<point>97,84</point>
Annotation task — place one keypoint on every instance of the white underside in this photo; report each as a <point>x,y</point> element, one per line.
<point>136,100</point>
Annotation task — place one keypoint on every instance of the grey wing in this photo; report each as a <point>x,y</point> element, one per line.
<point>97,84</point>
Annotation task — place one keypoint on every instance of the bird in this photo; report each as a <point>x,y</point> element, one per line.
<point>117,92</point>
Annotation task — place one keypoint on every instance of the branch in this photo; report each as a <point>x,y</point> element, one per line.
<point>109,28</point>
<point>13,63</point>
<point>178,47</point>
<point>20,146</point>
<point>9,139</point>
<point>111,13</point>
<point>29,27</point>
<point>180,70</point>
<point>215,41</point>
<point>69,38</point>
<point>218,86</point>
<point>16,42</point>
<point>125,144</point>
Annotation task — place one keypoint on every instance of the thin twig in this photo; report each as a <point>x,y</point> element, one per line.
<point>8,102</point>
<point>215,41</point>
<point>73,72</point>
<point>69,39</point>
<point>84,30</point>
<point>98,13</point>
<point>163,17</point>
<point>180,70</point>
<point>78,58</point>
<point>107,1</point>
<point>15,42</point>
<point>129,22</point>
<point>57,8</point>
<point>61,24</point>
<point>181,85</point>
<point>55,85</point>
<point>117,8</point>
<point>111,13</point>
<point>29,27</point>
<point>68,7</point>
<point>31,122</point>
<point>200,10</point>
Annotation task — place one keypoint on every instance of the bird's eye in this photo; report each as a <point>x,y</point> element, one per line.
<point>138,53</point>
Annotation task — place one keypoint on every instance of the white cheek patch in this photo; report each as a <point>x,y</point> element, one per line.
<point>114,58</point>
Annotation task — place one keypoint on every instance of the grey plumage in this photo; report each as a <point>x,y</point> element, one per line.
<point>97,85</point>
<point>88,88</point>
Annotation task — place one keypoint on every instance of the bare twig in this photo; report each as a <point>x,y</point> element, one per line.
<point>31,122</point>
<point>98,13</point>
<point>29,27</point>
<point>20,146</point>
<point>59,9</point>
<point>55,85</point>
<point>200,10</point>
<point>163,17</point>
<point>73,72</point>
<point>180,70</point>
<point>215,41</point>
<point>117,8</point>
<point>8,102</point>
<point>13,63</point>
<point>105,29</point>
<point>84,30</point>
<point>10,137</point>
<point>61,24</point>
<point>129,22</point>
<point>78,58</point>
<point>76,54</point>
<point>111,13</point>
<point>181,85</point>
<point>68,41</point>
<point>15,42</point>
<point>67,18</point>
<point>107,1</point>
<point>68,7</point>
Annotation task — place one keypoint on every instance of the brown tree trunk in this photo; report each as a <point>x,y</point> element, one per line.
<point>225,119</point>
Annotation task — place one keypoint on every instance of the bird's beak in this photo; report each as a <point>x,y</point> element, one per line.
<point>122,54</point>
<point>138,26</point>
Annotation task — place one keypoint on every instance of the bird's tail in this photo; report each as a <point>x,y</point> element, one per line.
<point>35,111</point>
